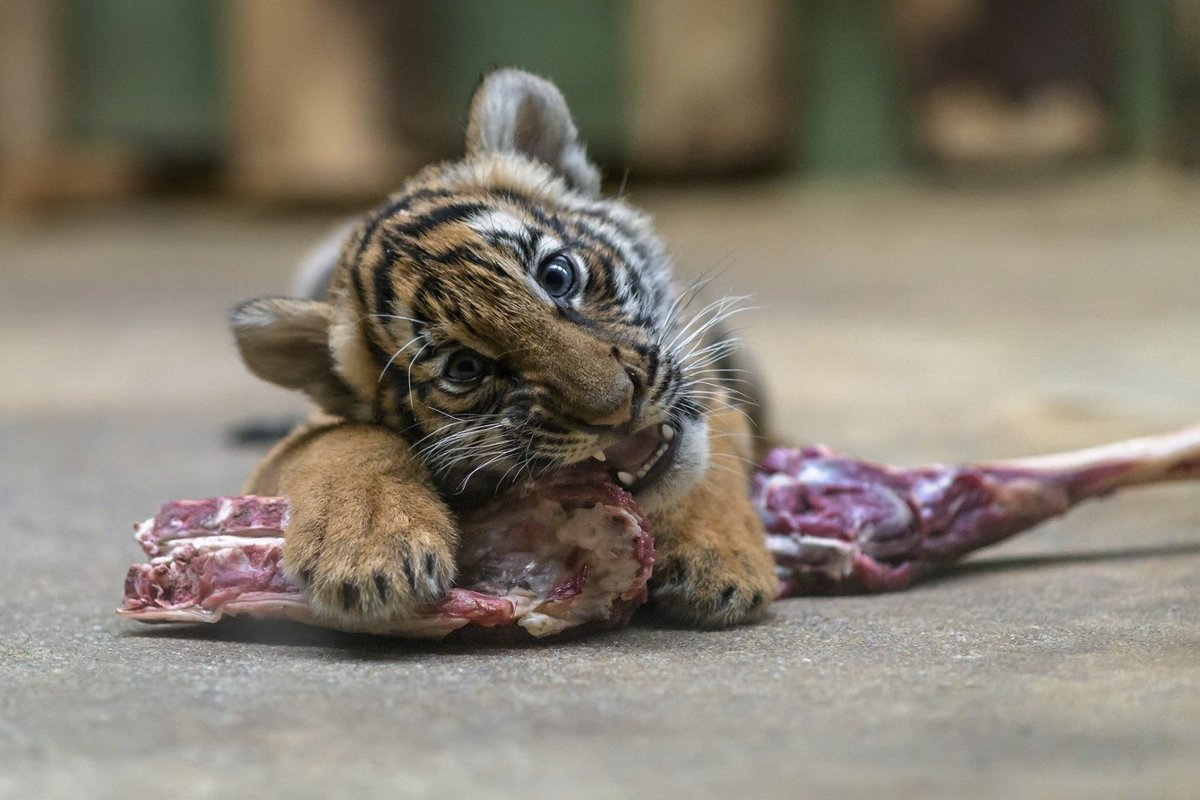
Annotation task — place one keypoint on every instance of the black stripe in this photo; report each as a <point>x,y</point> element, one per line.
<point>652,371</point>
<point>689,408</point>
<point>527,204</point>
<point>571,315</point>
<point>385,291</point>
<point>636,239</point>
<point>522,246</point>
<point>603,267</point>
<point>442,215</point>
<point>410,429</point>
<point>632,271</point>
<point>466,254</point>
<point>373,345</point>
<point>390,209</point>
<point>360,291</point>
<point>431,287</point>
<point>385,295</point>
<point>672,378</point>
<point>651,356</point>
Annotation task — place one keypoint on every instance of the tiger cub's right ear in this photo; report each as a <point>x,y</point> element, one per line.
<point>285,340</point>
<point>517,112</point>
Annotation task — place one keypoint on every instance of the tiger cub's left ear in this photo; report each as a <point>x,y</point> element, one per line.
<point>518,112</point>
<point>285,340</point>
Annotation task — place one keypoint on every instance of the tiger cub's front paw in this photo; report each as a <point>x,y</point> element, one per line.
<point>695,583</point>
<point>369,551</point>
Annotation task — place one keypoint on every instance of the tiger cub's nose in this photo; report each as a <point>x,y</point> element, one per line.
<point>629,404</point>
<point>623,412</point>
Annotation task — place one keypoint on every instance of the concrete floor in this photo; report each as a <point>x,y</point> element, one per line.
<point>902,323</point>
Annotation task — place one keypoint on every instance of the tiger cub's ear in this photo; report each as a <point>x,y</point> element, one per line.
<point>518,112</point>
<point>286,341</point>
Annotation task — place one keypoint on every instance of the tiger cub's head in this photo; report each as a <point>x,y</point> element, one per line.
<point>505,318</point>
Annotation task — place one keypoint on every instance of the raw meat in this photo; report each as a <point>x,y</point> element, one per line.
<point>836,525</point>
<point>575,550</point>
<point>558,555</point>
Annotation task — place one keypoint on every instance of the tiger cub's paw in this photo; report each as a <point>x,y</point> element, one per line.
<point>699,585</point>
<point>369,551</point>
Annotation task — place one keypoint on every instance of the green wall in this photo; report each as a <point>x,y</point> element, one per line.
<point>146,73</point>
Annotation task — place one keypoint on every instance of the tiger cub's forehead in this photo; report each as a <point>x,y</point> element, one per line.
<point>464,263</point>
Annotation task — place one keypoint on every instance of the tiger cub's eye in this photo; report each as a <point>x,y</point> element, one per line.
<point>557,275</point>
<point>465,366</point>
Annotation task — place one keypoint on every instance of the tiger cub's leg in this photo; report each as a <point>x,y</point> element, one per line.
<point>367,535</point>
<point>712,566</point>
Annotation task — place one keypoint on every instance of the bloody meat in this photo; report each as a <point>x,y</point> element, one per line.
<point>575,550</point>
<point>556,555</point>
<point>838,525</point>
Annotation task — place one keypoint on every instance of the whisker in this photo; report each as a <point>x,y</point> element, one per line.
<point>451,460</point>
<point>720,390</point>
<point>711,354</point>
<point>454,440</point>
<point>689,294</point>
<point>741,473</point>
<point>724,309</point>
<point>391,360</point>
<point>434,432</point>
<point>462,486</point>
<point>723,380</point>
<point>460,438</point>
<point>697,317</point>
<point>722,370</point>
<point>393,316</point>
<point>411,401</point>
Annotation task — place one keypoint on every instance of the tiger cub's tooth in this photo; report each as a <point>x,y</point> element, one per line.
<point>668,433</point>
<point>625,478</point>
<point>599,456</point>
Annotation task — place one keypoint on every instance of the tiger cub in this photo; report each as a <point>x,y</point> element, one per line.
<point>494,319</point>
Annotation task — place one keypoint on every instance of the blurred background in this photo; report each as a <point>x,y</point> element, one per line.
<point>999,196</point>
<point>333,101</point>
<point>992,177</point>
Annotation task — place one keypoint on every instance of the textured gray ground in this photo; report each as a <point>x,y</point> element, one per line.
<point>906,324</point>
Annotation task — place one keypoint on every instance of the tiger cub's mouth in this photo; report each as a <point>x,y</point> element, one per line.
<point>640,459</point>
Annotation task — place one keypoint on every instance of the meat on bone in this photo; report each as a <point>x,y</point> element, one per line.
<point>576,551</point>
<point>836,525</point>
<point>556,555</point>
